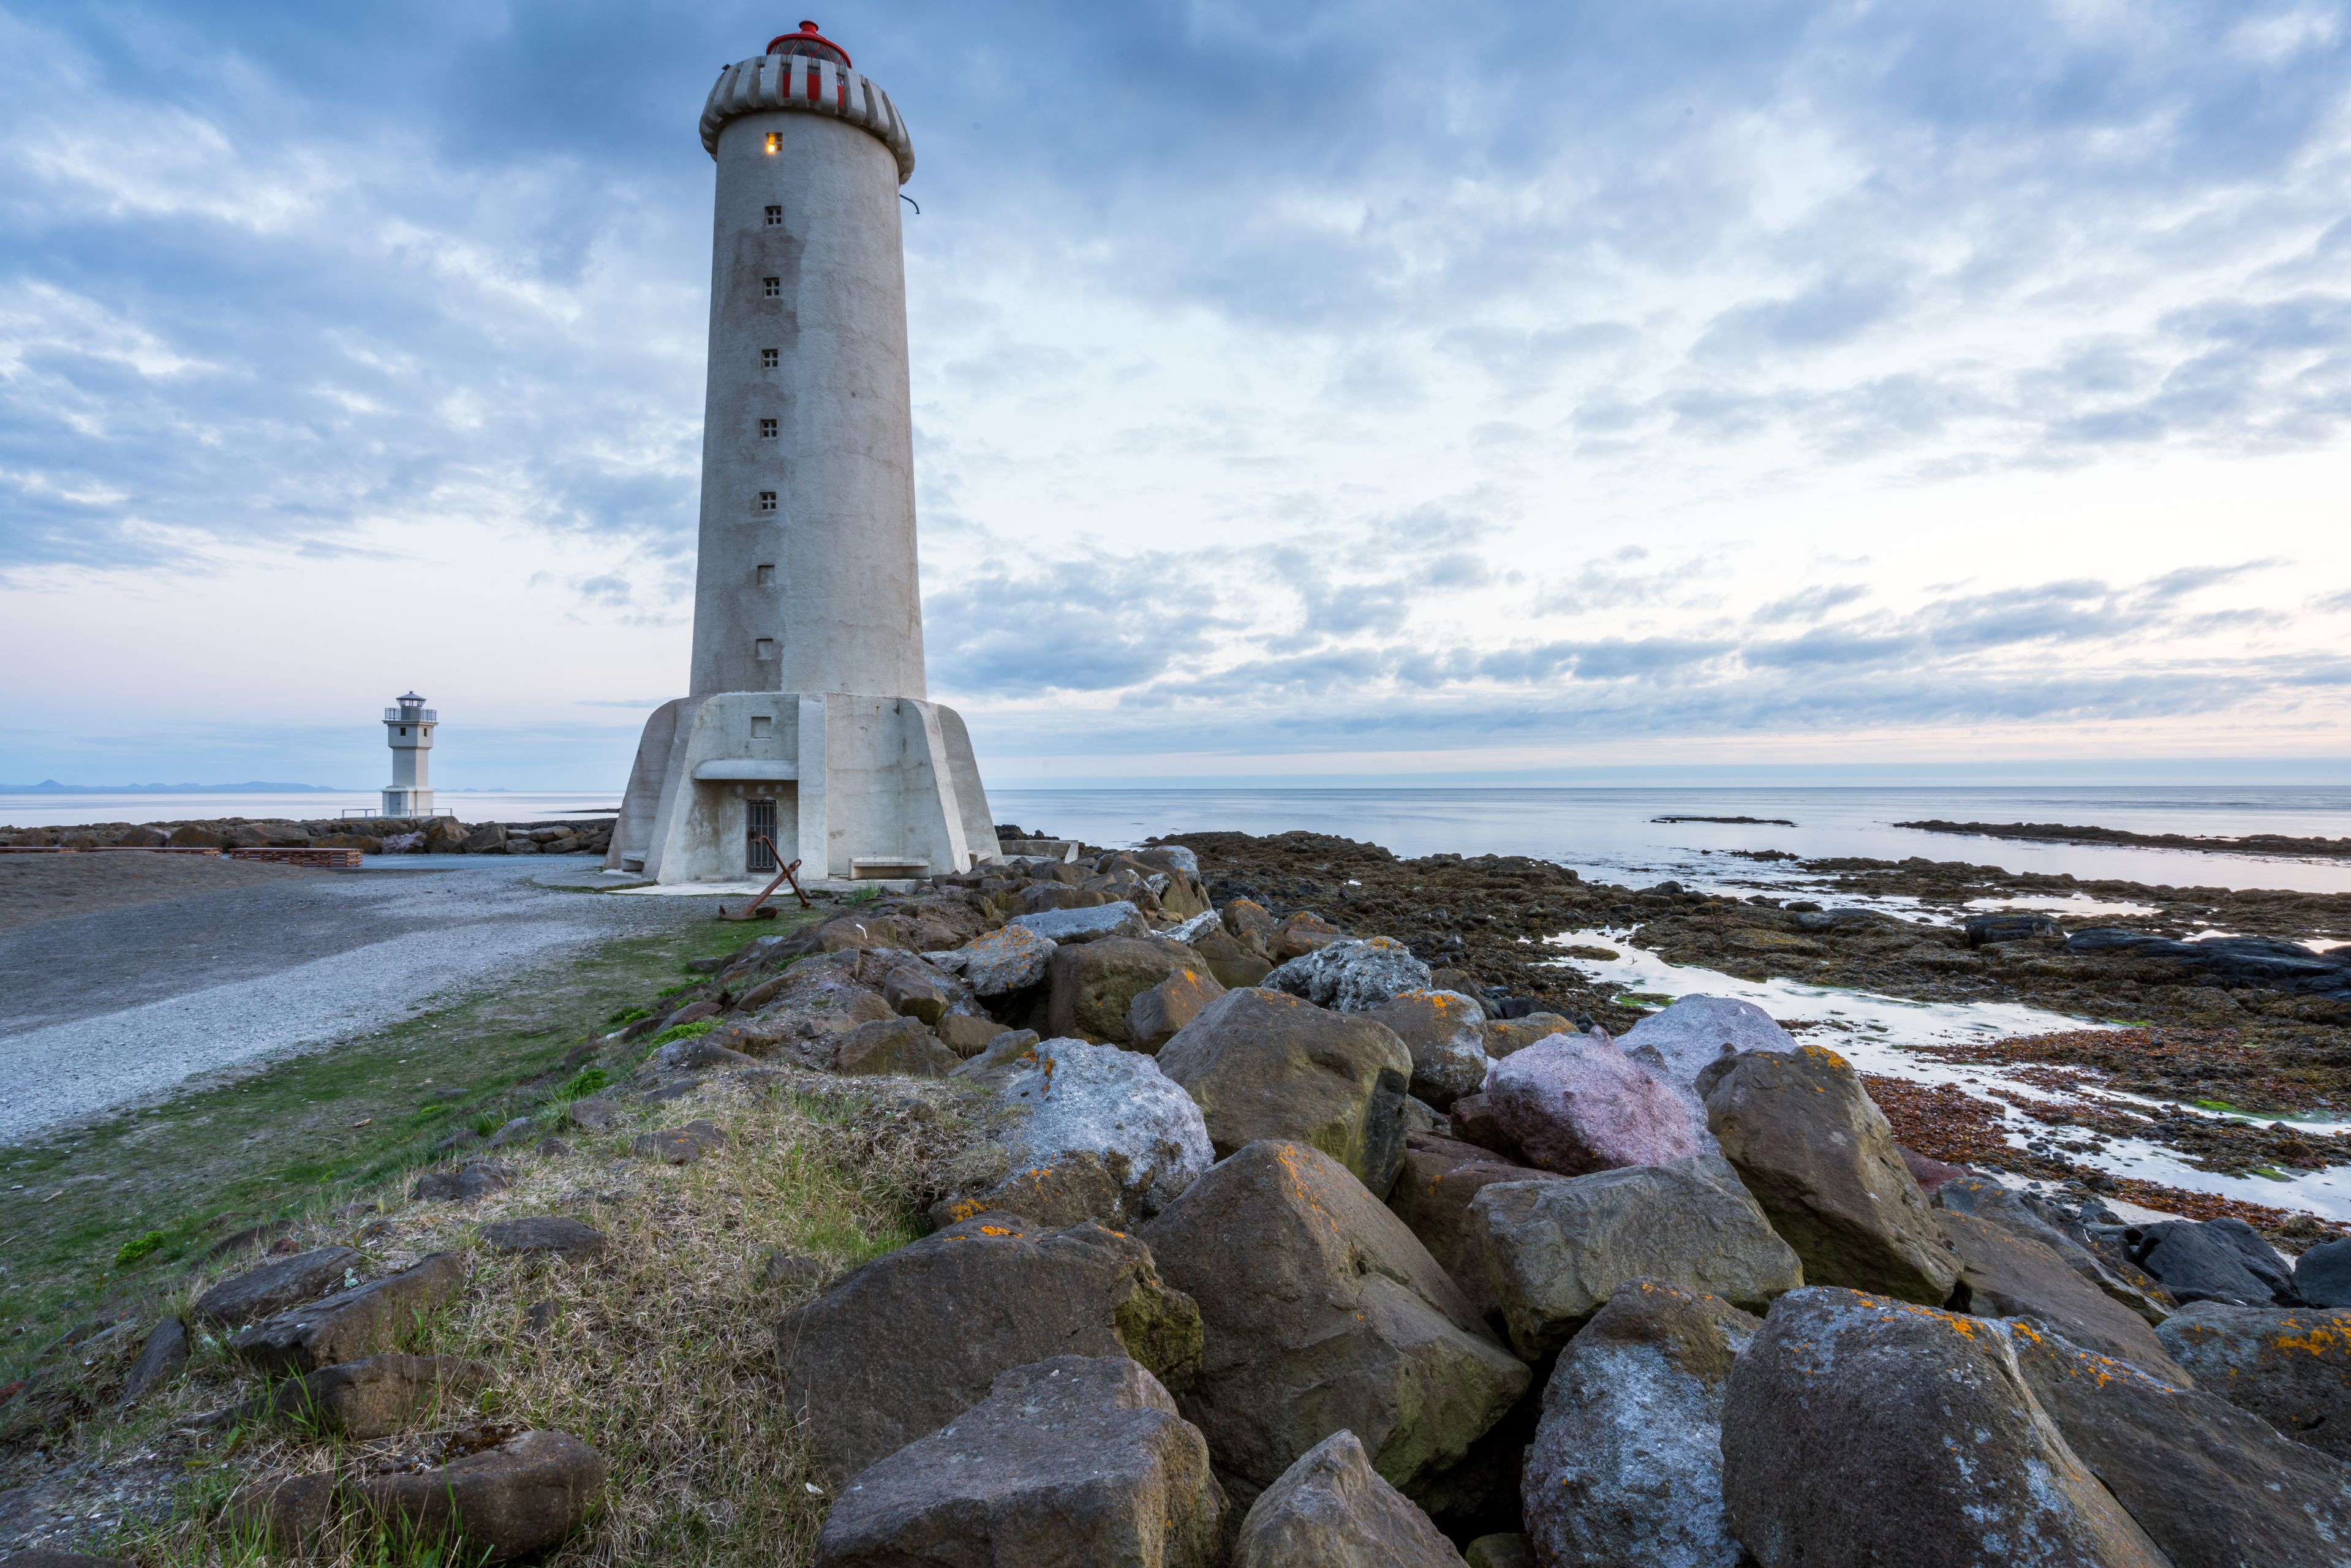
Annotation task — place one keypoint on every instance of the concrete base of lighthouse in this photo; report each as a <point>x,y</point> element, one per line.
<point>853,788</point>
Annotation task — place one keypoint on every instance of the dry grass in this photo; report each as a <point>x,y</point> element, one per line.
<point>662,1352</point>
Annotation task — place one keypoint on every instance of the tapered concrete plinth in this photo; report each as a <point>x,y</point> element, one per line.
<point>854,787</point>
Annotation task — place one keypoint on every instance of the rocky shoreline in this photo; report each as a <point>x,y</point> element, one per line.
<point>2058,833</point>
<point>1271,1238</point>
<point>368,836</point>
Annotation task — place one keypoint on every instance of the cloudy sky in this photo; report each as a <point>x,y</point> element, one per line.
<point>1347,391</point>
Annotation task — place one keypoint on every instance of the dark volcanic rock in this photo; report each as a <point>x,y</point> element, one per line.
<point>2006,1275</point>
<point>2213,1484</point>
<point>369,1398</point>
<point>2212,1263</point>
<point>1332,1510</point>
<point>1861,1429</point>
<point>909,1342</point>
<point>2240,960</point>
<point>2322,1275</point>
<point>350,1323</point>
<point>1322,1311</point>
<point>545,1235</point>
<point>1819,1156</point>
<point>478,1181</point>
<point>273,1287</point>
<point>1627,1467</point>
<point>1067,1463</point>
<point>2291,1367</point>
<point>166,1352</point>
<point>521,1496</point>
<point>1432,1197</point>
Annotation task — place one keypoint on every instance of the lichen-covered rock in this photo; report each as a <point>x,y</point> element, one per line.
<point>1067,1463</point>
<point>2290,1366</point>
<point>1696,1031</point>
<point>1120,918</point>
<point>2005,1275</point>
<point>1010,958</point>
<point>1431,1197</point>
<point>1820,1157</point>
<point>1332,1510</point>
<point>1445,1032</point>
<point>1508,1037</point>
<point>2213,1484</point>
<point>907,1344</point>
<point>1300,935</point>
<point>1234,962</point>
<point>1575,1103</point>
<point>274,1286</point>
<point>1557,1251</point>
<point>1321,1312</point>
<point>1155,1017</point>
<point>1859,1429</point>
<point>1263,1064</point>
<point>905,1046</point>
<point>1351,976</point>
<point>1114,1107</point>
<point>1626,1470</point>
<point>1093,984</point>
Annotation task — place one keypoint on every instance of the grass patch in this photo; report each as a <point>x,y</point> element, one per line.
<point>581,1084</point>
<point>294,1139</point>
<point>684,1031</point>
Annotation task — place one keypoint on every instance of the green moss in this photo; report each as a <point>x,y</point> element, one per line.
<point>138,1247</point>
<point>684,1031</point>
<point>583,1083</point>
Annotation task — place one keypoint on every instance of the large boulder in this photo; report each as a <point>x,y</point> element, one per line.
<point>2291,1367</point>
<point>1066,1463</point>
<point>1156,1017</point>
<point>1351,976</point>
<point>1557,1251</point>
<point>1431,1197</point>
<point>1819,1155</point>
<point>1858,1428</point>
<point>902,1046</point>
<point>2063,1232</point>
<point>1010,958</point>
<point>1626,1470</point>
<point>1321,1312</point>
<point>1118,919</point>
<point>1575,1103</point>
<point>274,1286</point>
<point>2005,1275</point>
<point>1445,1032</point>
<point>2213,1484</point>
<point>1099,1106</point>
<point>2322,1275</point>
<point>907,1344</point>
<point>1093,984</point>
<point>1696,1031</point>
<point>518,1496</point>
<point>1301,934</point>
<point>350,1323</point>
<point>1332,1510</point>
<point>1235,963</point>
<point>2220,1260</point>
<point>1508,1037</point>
<point>1264,1064</point>
<point>372,1398</point>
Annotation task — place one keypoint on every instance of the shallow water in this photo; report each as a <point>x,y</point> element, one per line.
<point>1610,834</point>
<point>1881,1034</point>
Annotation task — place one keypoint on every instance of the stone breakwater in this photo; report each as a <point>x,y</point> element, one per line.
<point>368,836</point>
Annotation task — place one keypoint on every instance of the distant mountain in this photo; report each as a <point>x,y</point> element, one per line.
<point>51,786</point>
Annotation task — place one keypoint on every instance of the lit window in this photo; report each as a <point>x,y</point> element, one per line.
<point>766,429</point>
<point>767,577</point>
<point>775,286</point>
<point>768,359</point>
<point>764,649</point>
<point>775,217</point>
<point>767,500</point>
<point>775,145</point>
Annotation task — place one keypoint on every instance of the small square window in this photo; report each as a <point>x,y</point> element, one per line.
<point>764,649</point>
<point>762,726</point>
<point>767,500</point>
<point>775,145</point>
<point>775,217</point>
<point>766,429</point>
<point>775,286</point>
<point>766,577</point>
<point>768,359</point>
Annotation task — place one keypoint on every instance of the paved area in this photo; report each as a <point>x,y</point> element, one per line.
<point>132,994</point>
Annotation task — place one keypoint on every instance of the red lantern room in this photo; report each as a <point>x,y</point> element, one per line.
<point>809,42</point>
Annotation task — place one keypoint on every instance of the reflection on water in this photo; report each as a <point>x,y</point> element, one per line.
<point>1881,1034</point>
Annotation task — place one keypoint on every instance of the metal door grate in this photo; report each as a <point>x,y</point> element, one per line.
<point>760,823</point>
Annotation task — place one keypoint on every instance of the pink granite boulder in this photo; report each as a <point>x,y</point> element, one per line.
<point>1576,1105</point>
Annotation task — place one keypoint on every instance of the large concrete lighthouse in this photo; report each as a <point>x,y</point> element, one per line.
<point>805,722</point>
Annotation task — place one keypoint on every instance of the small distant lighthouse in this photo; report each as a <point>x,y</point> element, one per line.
<point>408,730</point>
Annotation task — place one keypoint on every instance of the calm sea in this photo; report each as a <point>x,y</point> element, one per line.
<point>1607,833</point>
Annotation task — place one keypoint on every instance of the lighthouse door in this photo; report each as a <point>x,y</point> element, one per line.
<point>758,822</point>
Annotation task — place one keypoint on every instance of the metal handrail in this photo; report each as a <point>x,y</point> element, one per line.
<point>416,715</point>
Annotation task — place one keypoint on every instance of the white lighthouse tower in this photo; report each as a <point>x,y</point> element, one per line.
<point>805,723</point>
<point>408,730</point>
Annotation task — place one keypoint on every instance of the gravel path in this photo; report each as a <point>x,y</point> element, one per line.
<point>117,1005</point>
